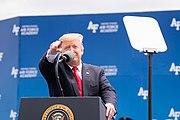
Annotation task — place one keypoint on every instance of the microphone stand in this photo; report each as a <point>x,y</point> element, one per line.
<point>66,57</point>
<point>57,76</point>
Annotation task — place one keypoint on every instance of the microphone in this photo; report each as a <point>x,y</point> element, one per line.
<point>67,56</point>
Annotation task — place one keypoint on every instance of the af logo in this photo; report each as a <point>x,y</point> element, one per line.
<point>175,69</point>
<point>143,93</point>
<point>15,30</point>
<point>13,115</point>
<point>175,23</point>
<point>1,56</point>
<point>92,26</point>
<point>14,72</point>
<point>58,112</point>
<point>175,114</point>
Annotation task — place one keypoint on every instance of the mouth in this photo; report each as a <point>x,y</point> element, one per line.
<point>75,55</point>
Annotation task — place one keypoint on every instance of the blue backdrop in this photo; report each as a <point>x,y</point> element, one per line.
<point>25,39</point>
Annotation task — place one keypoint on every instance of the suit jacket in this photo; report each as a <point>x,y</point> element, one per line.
<point>94,81</point>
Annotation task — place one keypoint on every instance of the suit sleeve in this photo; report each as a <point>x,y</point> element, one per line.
<point>107,92</point>
<point>47,69</point>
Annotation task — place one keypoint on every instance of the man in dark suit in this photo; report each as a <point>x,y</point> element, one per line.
<point>93,81</point>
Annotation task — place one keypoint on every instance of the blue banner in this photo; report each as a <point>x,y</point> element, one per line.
<point>25,39</point>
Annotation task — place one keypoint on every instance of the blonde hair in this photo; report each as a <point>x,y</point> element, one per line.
<point>71,37</point>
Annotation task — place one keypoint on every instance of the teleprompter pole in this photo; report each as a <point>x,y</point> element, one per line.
<point>150,86</point>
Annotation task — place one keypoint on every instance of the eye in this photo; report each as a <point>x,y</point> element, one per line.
<point>75,46</point>
<point>67,47</point>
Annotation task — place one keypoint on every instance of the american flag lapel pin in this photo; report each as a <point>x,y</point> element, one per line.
<point>87,72</point>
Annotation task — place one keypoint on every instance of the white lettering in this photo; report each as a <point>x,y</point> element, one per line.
<point>110,70</point>
<point>108,27</point>
<point>29,30</point>
<point>28,72</point>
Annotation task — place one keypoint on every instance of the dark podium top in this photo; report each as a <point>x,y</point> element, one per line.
<point>62,108</point>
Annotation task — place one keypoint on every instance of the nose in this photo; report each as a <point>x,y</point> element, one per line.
<point>71,49</point>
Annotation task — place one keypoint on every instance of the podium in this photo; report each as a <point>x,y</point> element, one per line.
<point>62,108</point>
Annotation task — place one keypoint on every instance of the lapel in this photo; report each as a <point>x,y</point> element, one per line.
<point>85,79</point>
<point>75,87</point>
<point>72,80</point>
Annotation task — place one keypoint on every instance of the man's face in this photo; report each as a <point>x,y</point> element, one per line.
<point>76,47</point>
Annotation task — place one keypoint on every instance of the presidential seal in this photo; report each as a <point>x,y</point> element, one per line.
<point>58,112</point>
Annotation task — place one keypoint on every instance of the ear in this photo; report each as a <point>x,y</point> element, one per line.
<point>82,50</point>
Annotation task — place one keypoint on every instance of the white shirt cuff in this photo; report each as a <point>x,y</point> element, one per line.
<point>51,58</point>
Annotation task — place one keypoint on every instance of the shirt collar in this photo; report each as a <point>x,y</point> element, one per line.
<point>79,67</point>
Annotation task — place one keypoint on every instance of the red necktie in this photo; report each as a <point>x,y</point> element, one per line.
<point>78,79</point>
